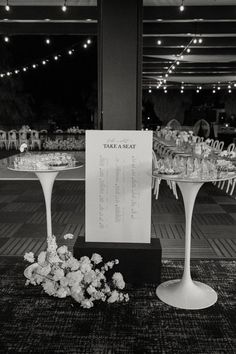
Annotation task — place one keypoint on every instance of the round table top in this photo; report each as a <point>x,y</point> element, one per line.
<point>49,169</point>
<point>179,178</point>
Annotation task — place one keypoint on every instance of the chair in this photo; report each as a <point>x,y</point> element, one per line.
<point>12,140</point>
<point>202,128</point>
<point>35,140</point>
<point>3,139</point>
<point>174,124</point>
<point>23,137</point>
<point>60,134</point>
<point>231,147</point>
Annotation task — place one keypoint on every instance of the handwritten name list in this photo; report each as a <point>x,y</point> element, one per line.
<point>118,186</point>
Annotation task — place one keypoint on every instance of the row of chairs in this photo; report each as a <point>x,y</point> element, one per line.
<point>13,139</point>
<point>201,123</point>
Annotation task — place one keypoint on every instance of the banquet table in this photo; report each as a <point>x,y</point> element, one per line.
<point>47,178</point>
<point>185,293</point>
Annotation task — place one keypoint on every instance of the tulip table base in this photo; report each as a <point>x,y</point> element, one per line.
<point>185,293</point>
<point>189,295</point>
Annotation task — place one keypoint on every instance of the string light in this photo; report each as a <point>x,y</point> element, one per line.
<point>181,8</point>
<point>44,61</point>
<point>85,45</point>
<point>64,7</point>
<point>7,6</point>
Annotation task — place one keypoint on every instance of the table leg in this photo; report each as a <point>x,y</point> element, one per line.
<point>185,293</point>
<point>47,180</point>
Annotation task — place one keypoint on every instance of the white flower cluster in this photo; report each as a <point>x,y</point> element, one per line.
<point>66,144</point>
<point>61,275</point>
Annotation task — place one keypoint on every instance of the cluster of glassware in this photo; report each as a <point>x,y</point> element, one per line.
<point>195,168</point>
<point>44,161</point>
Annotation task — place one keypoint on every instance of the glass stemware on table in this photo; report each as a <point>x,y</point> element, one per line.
<point>43,161</point>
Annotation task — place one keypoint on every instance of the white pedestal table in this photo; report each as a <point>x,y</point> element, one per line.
<point>47,178</point>
<point>185,293</point>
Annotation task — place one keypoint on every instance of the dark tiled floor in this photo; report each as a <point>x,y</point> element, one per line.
<point>23,224</point>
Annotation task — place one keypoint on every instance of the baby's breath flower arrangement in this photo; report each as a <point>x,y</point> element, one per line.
<point>62,275</point>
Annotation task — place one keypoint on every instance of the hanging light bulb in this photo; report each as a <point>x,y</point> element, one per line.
<point>85,45</point>
<point>44,62</point>
<point>182,91</point>
<point>177,63</point>
<point>188,50</point>
<point>181,8</point>
<point>16,71</point>
<point>166,75</point>
<point>70,52</point>
<point>149,91</point>
<point>197,91</point>
<point>165,91</point>
<point>47,41</point>
<point>181,56</point>
<point>24,69</point>
<point>173,67</point>
<point>159,42</point>
<point>64,7</point>
<point>6,39</point>
<point>213,91</point>
<point>229,86</point>
<point>200,40</point>
<point>33,66</point>
<point>7,6</point>
<point>89,41</point>
<point>229,91</point>
<point>218,88</point>
<point>195,40</point>
<point>56,57</point>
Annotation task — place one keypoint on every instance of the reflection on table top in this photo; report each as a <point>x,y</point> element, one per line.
<point>179,178</point>
<point>76,174</point>
<point>77,164</point>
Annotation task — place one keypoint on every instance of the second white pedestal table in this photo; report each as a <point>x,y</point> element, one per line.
<point>47,178</point>
<point>185,293</point>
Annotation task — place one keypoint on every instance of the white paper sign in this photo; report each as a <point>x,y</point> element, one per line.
<point>118,186</point>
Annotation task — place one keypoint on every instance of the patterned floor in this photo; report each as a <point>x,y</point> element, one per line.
<point>23,227</point>
<point>32,322</point>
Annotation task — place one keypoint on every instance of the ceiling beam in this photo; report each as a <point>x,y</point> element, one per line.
<point>48,28</point>
<point>194,51</point>
<point>177,42</point>
<point>27,13</point>
<point>213,29</point>
<point>169,13</point>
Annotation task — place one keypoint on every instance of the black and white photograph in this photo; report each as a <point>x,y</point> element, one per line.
<point>117,176</point>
